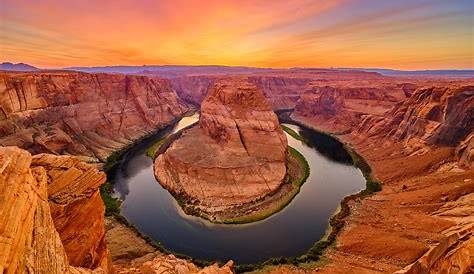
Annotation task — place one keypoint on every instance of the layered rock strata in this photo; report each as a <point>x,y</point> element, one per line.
<point>342,108</point>
<point>436,116</point>
<point>420,152</point>
<point>236,154</point>
<point>29,240</point>
<point>76,208</point>
<point>90,115</point>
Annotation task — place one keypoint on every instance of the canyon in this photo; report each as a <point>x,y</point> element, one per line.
<point>235,156</point>
<point>87,115</point>
<point>415,132</point>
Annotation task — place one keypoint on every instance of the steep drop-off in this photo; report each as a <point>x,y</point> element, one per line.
<point>441,116</point>
<point>421,221</point>
<point>30,240</point>
<point>76,207</point>
<point>340,107</point>
<point>82,114</point>
<point>236,154</point>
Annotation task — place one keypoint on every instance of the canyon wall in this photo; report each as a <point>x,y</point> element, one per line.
<point>421,151</point>
<point>436,116</point>
<point>235,155</point>
<point>282,91</point>
<point>30,242</point>
<point>76,208</point>
<point>340,107</point>
<point>75,113</point>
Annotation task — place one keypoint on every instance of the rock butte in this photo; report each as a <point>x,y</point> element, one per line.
<point>415,132</point>
<point>235,156</point>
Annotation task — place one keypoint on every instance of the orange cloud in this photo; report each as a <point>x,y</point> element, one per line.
<point>53,33</point>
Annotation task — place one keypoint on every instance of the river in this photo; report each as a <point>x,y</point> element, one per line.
<point>289,232</point>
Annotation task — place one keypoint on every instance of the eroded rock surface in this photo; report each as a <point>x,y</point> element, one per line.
<point>76,208</point>
<point>29,241</point>
<point>90,115</point>
<point>440,116</point>
<point>421,152</point>
<point>234,156</point>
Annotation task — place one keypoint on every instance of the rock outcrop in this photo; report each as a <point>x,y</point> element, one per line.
<point>281,91</point>
<point>439,116</point>
<point>29,241</point>
<point>76,208</point>
<point>235,155</point>
<point>90,115</point>
<point>327,107</point>
<point>421,150</point>
<point>171,264</point>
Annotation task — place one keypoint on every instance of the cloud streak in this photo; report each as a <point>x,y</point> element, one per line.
<point>401,34</point>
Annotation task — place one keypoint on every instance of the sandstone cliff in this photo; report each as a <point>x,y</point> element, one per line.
<point>235,155</point>
<point>281,91</point>
<point>82,114</point>
<point>341,108</point>
<point>439,116</point>
<point>29,241</point>
<point>421,150</point>
<point>76,208</point>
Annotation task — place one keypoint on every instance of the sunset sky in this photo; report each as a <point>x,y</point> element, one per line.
<point>399,34</point>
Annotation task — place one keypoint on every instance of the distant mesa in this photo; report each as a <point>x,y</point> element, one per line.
<point>17,67</point>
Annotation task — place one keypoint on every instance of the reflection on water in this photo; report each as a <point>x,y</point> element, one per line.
<point>290,232</point>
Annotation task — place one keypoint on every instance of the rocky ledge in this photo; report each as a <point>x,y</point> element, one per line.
<point>51,217</point>
<point>234,157</point>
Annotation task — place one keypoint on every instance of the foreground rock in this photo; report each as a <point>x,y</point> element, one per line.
<point>29,240</point>
<point>76,208</point>
<point>236,154</point>
<point>89,115</point>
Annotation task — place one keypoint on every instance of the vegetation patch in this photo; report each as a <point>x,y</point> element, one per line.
<point>112,205</point>
<point>292,133</point>
<point>151,151</point>
<point>372,185</point>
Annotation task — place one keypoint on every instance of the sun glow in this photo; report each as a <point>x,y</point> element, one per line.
<point>279,33</point>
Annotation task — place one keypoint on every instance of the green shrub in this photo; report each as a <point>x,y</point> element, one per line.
<point>112,205</point>
<point>292,133</point>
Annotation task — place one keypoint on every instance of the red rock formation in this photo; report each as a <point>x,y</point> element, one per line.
<point>76,208</point>
<point>433,186</point>
<point>171,264</point>
<point>193,89</point>
<point>282,92</point>
<point>465,151</point>
<point>235,156</point>
<point>441,116</point>
<point>29,240</point>
<point>82,114</point>
<point>325,105</point>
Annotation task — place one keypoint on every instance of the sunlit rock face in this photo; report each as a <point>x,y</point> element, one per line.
<point>235,155</point>
<point>84,114</point>
<point>435,116</point>
<point>76,208</point>
<point>33,239</point>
